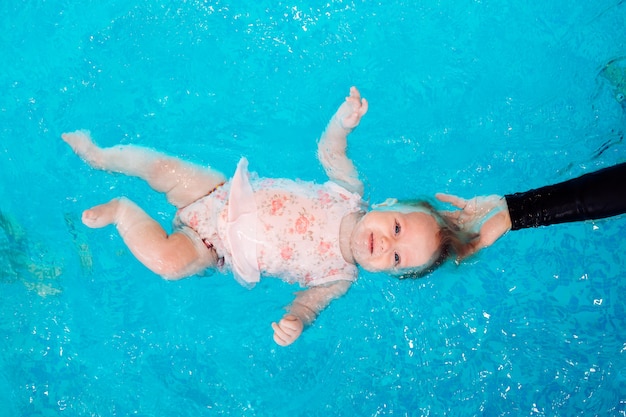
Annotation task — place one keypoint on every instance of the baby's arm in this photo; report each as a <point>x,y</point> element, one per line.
<point>305,309</point>
<point>331,149</point>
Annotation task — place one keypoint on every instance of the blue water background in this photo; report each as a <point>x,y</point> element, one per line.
<point>468,97</point>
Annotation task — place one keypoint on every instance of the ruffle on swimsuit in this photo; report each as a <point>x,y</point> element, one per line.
<point>241,239</point>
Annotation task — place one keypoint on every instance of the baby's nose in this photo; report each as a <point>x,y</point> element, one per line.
<point>385,244</point>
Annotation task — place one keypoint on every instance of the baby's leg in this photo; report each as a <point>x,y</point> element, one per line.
<point>181,181</point>
<point>173,257</point>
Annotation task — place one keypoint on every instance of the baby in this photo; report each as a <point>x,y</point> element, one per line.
<point>302,232</point>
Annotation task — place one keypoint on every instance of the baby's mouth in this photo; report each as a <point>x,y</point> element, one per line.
<point>371,243</point>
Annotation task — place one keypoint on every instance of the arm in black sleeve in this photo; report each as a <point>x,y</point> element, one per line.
<point>592,196</point>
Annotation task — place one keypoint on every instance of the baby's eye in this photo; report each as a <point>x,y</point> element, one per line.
<point>396,259</point>
<point>397,228</point>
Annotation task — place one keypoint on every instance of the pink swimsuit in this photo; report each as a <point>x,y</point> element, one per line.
<point>277,227</point>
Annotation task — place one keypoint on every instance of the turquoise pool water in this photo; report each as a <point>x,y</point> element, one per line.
<point>468,97</point>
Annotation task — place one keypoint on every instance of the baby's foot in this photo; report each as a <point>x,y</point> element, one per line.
<point>102,215</point>
<point>81,143</point>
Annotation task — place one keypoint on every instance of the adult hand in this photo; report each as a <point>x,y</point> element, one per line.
<point>488,216</point>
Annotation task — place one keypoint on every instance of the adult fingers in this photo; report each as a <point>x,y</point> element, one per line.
<point>451,199</point>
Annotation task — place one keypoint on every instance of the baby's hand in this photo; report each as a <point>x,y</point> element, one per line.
<point>350,112</point>
<point>287,330</point>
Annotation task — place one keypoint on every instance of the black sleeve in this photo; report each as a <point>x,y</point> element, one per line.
<point>592,196</point>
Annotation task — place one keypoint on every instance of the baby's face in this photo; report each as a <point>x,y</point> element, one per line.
<point>393,241</point>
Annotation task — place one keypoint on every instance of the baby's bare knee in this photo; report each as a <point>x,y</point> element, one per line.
<point>179,258</point>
